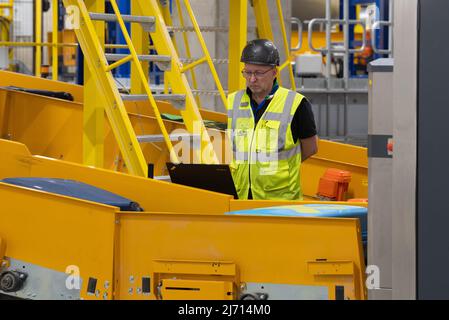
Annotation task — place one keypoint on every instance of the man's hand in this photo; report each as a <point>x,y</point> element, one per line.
<point>309,147</point>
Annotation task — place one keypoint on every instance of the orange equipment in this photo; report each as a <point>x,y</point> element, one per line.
<point>334,185</point>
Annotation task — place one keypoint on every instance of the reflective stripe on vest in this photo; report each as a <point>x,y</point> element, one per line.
<point>267,157</point>
<point>285,118</point>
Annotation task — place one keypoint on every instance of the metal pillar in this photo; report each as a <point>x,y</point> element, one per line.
<point>405,149</point>
<point>38,37</point>
<point>55,57</point>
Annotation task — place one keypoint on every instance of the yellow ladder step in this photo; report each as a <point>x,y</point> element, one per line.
<point>178,100</point>
<point>148,23</point>
<point>195,138</point>
<point>163,62</point>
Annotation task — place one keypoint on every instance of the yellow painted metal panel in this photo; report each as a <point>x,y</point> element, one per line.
<point>143,238</point>
<point>179,289</point>
<point>150,194</point>
<point>331,267</point>
<point>238,26</point>
<point>93,112</point>
<point>25,81</point>
<point>250,242</point>
<point>56,232</point>
<point>223,268</point>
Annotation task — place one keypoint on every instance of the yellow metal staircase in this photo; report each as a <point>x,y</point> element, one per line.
<point>101,65</point>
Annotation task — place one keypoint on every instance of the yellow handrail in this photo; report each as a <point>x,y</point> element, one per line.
<point>38,38</point>
<point>54,63</point>
<point>34,44</point>
<point>118,63</point>
<point>194,64</point>
<point>206,52</point>
<point>286,45</point>
<point>186,45</point>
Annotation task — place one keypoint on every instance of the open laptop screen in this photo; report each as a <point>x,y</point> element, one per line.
<point>212,177</point>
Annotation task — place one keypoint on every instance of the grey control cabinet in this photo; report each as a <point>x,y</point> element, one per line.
<point>380,169</point>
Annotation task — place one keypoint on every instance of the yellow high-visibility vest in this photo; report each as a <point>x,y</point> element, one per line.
<point>265,157</point>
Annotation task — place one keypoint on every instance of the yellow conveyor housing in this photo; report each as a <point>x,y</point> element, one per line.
<point>187,243</point>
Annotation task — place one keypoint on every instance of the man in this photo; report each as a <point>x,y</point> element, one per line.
<point>272,129</point>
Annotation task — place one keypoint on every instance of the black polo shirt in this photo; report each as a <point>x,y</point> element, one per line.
<point>303,123</point>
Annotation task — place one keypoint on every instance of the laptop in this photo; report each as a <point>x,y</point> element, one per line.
<point>212,177</point>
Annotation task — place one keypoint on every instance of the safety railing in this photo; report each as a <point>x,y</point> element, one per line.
<point>379,24</point>
<point>313,22</point>
<point>344,51</point>
<point>298,23</point>
<point>38,44</point>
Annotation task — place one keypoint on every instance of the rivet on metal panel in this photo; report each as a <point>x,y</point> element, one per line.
<point>106,285</point>
<point>131,279</point>
<point>130,290</point>
<point>105,296</point>
<point>139,290</point>
<point>97,293</point>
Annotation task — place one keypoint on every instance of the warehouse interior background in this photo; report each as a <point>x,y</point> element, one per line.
<point>97,98</point>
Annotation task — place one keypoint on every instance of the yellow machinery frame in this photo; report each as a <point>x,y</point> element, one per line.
<point>189,240</point>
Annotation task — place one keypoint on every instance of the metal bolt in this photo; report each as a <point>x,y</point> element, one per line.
<point>130,290</point>
<point>131,279</point>
<point>139,290</point>
<point>97,293</point>
<point>106,285</point>
<point>243,286</point>
<point>105,296</point>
